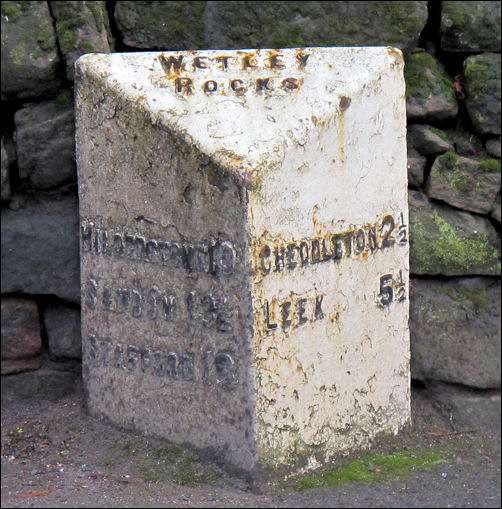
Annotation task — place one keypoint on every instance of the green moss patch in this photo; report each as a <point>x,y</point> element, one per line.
<point>490,165</point>
<point>372,468</point>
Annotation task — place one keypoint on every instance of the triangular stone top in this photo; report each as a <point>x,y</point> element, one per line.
<point>244,108</point>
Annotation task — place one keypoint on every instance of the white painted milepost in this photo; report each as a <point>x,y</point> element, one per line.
<point>244,249</point>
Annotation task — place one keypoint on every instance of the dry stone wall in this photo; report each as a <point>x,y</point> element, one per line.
<point>452,72</point>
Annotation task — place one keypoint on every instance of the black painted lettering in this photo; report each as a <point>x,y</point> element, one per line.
<point>325,254</point>
<point>200,63</point>
<point>152,304</point>
<point>268,324</point>
<point>167,63</point>
<point>290,84</point>
<point>290,256</point>
<point>279,258</point>
<point>319,315</point>
<point>224,62</point>
<point>386,229</point>
<point>210,86</point>
<point>262,84</point>
<point>302,59</point>
<point>248,62</point>
<point>337,246</point>
<point>186,367</point>
<point>183,85</point>
<point>285,314</point>
<point>316,251</point>
<point>372,237</point>
<point>304,253</point>
<point>301,311</point>
<point>276,62</point>
<point>238,87</point>
<point>264,254</point>
<point>360,241</point>
<point>347,242</point>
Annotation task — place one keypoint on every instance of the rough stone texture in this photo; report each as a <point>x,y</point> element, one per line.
<point>30,61</point>
<point>429,91</point>
<point>81,27</point>
<point>62,324</point>
<point>467,410</point>
<point>465,183</point>
<point>161,25</point>
<point>20,328</point>
<point>466,143</point>
<point>495,213</point>
<point>416,166</point>
<point>450,242</point>
<point>482,85</point>
<point>470,26</point>
<point>5,175</point>
<point>428,140</point>
<point>299,24</point>
<point>10,366</point>
<point>493,147</point>
<point>40,248</point>
<point>197,329</point>
<point>45,138</point>
<point>455,331</point>
<point>44,383</point>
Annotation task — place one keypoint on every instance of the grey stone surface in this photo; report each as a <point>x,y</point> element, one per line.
<point>466,143</point>
<point>5,182</point>
<point>20,329</point>
<point>161,25</point>
<point>45,138</point>
<point>455,331</point>
<point>493,147</point>
<point>466,409</point>
<point>450,242</point>
<point>428,140</point>
<point>495,213</point>
<point>482,88</point>
<point>470,26</point>
<point>44,383</point>
<point>81,27</point>
<point>10,366</point>
<point>469,184</point>
<point>31,67</point>
<point>416,166</point>
<point>299,24</point>
<point>62,325</point>
<point>429,90</point>
<point>40,247</point>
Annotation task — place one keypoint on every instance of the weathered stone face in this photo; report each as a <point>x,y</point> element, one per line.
<point>244,248</point>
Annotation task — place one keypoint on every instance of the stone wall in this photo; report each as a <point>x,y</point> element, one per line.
<point>452,55</point>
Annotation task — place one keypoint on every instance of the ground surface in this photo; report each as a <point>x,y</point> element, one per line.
<point>55,455</point>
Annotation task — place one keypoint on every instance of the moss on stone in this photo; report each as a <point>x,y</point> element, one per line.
<point>372,468</point>
<point>450,251</point>
<point>440,133</point>
<point>14,10</point>
<point>490,165</point>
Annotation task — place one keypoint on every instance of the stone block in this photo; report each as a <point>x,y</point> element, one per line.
<point>45,139</point>
<point>20,328</point>
<point>493,147</point>
<point>483,92</point>
<point>30,60</point>
<point>450,242</point>
<point>455,331</point>
<point>416,167</point>
<point>62,324</point>
<point>428,140</point>
<point>244,249</point>
<point>289,24</point>
<point>469,184</point>
<point>5,175</point>
<point>429,90</point>
<point>81,27</point>
<point>470,26</point>
<point>40,247</point>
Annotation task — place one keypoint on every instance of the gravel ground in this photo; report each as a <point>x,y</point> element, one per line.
<point>55,455</point>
